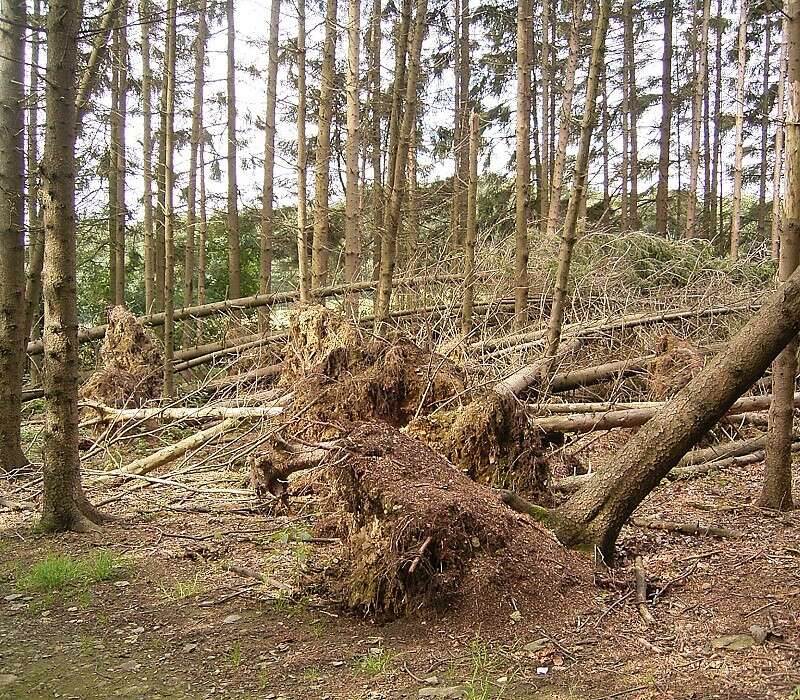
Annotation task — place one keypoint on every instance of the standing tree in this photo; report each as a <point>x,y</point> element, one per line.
<point>303,268</point>
<point>12,230</point>
<point>470,239</point>
<point>777,489</point>
<point>147,164</point>
<point>375,136</point>
<point>779,139</point>
<point>352,199</point>
<point>736,204</point>
<point>234,243</point>
<point>665,130</point>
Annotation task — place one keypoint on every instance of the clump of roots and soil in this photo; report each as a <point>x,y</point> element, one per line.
<point>131,371</point>
<point>677,361</point>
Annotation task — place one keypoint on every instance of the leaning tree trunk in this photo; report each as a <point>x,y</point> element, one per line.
<point>736,203</point>
<point>779,143</point>
<point>352,189</point>
<point>578,193</point>
<point>662,193</point>
<point>234,242</point>
<point>593,517</point>
<point>777,488</point>
<point>12,230</point>
<point>523,166</point>
<point>322,224</point>
<point>64,505</point>
<point>267,222</point>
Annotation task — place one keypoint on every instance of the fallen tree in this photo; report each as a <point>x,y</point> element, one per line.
<point>592,518</point>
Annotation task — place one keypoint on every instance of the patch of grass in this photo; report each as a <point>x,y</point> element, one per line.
<point>311,673</point>
<point>236,655</point>
<point>263,679</point>
<point>375,662</point>
<point>58,572</point>
<point>293,533</point>
<point>180,590</point>
<point>795,694</point>
<point>483,662</point>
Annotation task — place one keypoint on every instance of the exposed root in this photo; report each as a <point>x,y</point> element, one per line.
<point>674,366</point>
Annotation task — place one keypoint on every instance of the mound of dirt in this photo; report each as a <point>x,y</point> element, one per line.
<point>490,440</point>
<point>132,364</point>
<point>420,533</point>
<point>677,362</point>
<point>339,374</point>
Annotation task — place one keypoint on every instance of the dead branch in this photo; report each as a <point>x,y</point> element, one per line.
<point>245,377</point>
<point>107,414</point>
<point>641,592</point>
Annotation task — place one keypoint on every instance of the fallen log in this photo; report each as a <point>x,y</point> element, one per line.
<point>31,394</point>
<point>524,378</point>
<point>107,414</point>
<point>690,472</point>
<point>635,417</point>
<point>259,300</point>
<point>498,347</point>
<point>598,374</point>
<point>171,452</point>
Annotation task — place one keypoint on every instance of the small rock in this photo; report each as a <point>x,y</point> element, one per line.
<point>13,596</point>
<point>138,630</point>
<point>72,609</point>
<point>502,680</point>
<point>536,645</point>
<point>733,642</point>
<point>759,634</point>
<point>122,584</point>
<point>188,648</point>
<point>18,606</point>
<point>129,666</point>
<point>516,616</point>
<point>231,619</point>
<point>431,680</point>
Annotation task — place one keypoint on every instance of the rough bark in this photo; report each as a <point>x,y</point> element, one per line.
<point>714,231</point>
<point>322,225</point>
<point>777,488</point>
<point>147,165</point>
<point>546,72</point>
<point>662,193</point>
<point>64,505</point>
<point>201,240</point>
<point>633,117</point>
<point>736,201</point>
<point>121,59</point>
<point>12,230</point>
<point>523,165</point>
<point>593,517</point>
<point>234,241</point>
<point>470,238</point>
<point>352,247</point>
<point>267,223</point>
<point>578,192</point>
<point>303,268</point>
<point>779,139</point>
<point>762,175</point>
<point>375,136</point>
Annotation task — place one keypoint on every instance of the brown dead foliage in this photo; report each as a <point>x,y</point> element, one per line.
<point>132,364</point>
<point>419,532</point>
<point>677,362</point>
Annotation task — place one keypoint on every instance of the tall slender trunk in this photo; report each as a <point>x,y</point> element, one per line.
<point>147,164</point>
<point>462,70</point>
<point>352,248</point>
<point>375,136</point>
<point>633,116</point>
<point>202,231</point>
<point>736,203</point>
<point>190,256</point>
<point>158,251</point>
<point>716,147</point>
<point>322,224</point>
<point>523,165</point>
<point>543,186</point>
<point>662,193</point>
<point>472,230</point>
<point>762,176</point>
<point>64,505</point>
<point>777,488</point>
<point>604,146</point>
<point>780,125</point>
<point>455,213</point>
<point>624,213</point>
<point>578,192</point>
<point>267,223</point>
<point>413,196</point>
<point>697,114</point>
<point>121,162</point>
<point>398,182</point>
<point>565,118</point>
<point>708,192</point>
<point>12,230</point>
<point>169,186</point>
<point>113,173</point>
<point>234,241</point>
<point>304,272</point>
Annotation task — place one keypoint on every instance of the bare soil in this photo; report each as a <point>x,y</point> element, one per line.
<point>176,623</point>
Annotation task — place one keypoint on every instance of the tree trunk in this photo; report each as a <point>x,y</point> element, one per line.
<point>523,165</point>
<point>375,137</point>
<point>593,517</point>
<point>779,138</point>
<point>158,250</point>
<point>147,165</point>
<point>398,182</point>
<point>565,117</point>
<point>64,505</point>
<point>472,229</point>
<point>578,192</point>
<point>697,114</point>
<point>736,203</point>
<point>120,165</point>
<point>662,193</point>
<point>462,119</point>
<point>234,241</point>
<point>714,230</point>
<point>12,230</point>
<point>777,489</point>
<point>633,109</point>
<point>190,255</point>
<point>543,185</point>
<point>201,240</point>
<point>322,224</point>
<point>267,223</point>
<point>762,176</point>
<point>303,271</point>
<point>113,123</point>
<point>604,145</point>
<point>169,186</point>
<point>624,214</point>
<point>352,195</point>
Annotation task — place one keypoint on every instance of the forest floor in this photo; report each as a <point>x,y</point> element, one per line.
<point>165,618</point>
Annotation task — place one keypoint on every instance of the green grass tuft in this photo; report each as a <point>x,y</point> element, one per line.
<point>57,572</point>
